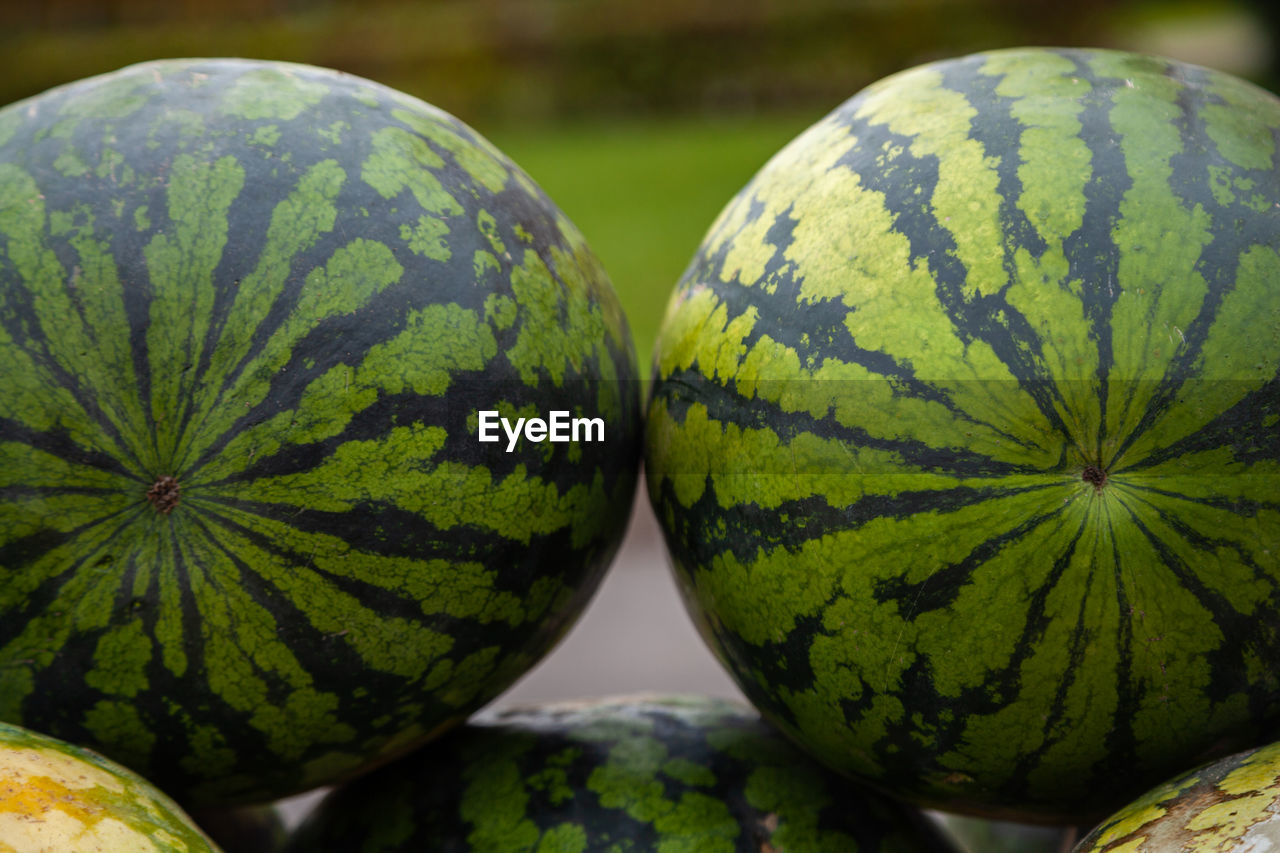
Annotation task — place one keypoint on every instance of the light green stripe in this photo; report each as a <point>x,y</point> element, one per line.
<point>480,160</point>
<point>241,649</point>
<point>437,341</point>
<point>354,274</point>
<point>1212,474</point>
<point>84,602</point>
<point>400,470</point>
<point>458,588</point>
<point>61,513</point>
<point>1224,548</point>
<point>120,660</point>
<point>180,264</point>
<point>26,515</point>
<point>402,160</point>
<point>1055,163</point>
<point>702,336</point>
<point>1159,291</point>
<point>1237,358</point>
<point>26,467</point>
<point>99,352</point>
<point>271,93</point>
<point>296,224</point>
<point>1055,168</point>
<point>560,329</point>
<point>747,466</point>
<point>34,395</point>
<point>388,644</point>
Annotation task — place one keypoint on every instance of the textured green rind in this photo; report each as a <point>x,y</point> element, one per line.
<point>666,774</point>
<point>881,381</point>
<point>1232,804</point>
<point>291,290</point>
<point>56,796</point>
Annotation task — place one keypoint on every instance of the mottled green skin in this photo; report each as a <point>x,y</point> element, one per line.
<point>889,386</point>
<point>58,797</point>
<point>1230,805</point>
<point>666,774</point>
<point>290,290</point>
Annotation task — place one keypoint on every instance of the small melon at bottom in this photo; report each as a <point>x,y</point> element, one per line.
<point>58,797</point>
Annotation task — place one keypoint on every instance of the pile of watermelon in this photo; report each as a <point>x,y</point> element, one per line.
<point>963,434</point>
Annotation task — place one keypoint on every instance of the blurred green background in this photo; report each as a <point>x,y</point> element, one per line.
<point>640,117</point>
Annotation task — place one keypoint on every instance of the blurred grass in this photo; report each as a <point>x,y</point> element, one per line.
<point>644,192</point>
<point>544,59</point>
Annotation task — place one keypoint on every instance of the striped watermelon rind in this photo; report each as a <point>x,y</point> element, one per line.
<point>249,314</point>
<point>56,796</point>
<point>963,432</point>
<point>1231,804</point>
<point>646,772</point>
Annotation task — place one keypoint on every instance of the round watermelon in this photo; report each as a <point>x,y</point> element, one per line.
<point>263,331</point>
<point>965,430</point>
<point>661,773</point>
<point>59,797</point>
<point>1229,806</point>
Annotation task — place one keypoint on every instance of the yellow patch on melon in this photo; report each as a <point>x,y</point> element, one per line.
<point>59,832</point>
<point>1134,846</point>
<point>54,802</point>
<point>1229,820</point>
<point>1130,824</point>
<point>36,769</point>
<point>1259,772</point>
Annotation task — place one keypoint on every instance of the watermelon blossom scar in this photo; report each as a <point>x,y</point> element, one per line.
<point>164,494</point>
<point>1095,475</point>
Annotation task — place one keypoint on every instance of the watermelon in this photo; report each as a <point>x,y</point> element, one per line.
<point>964,430</point>
<point>254,318</point>
<point>1232,804</point>
<point>58,797</point>
<point>661,773</point>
